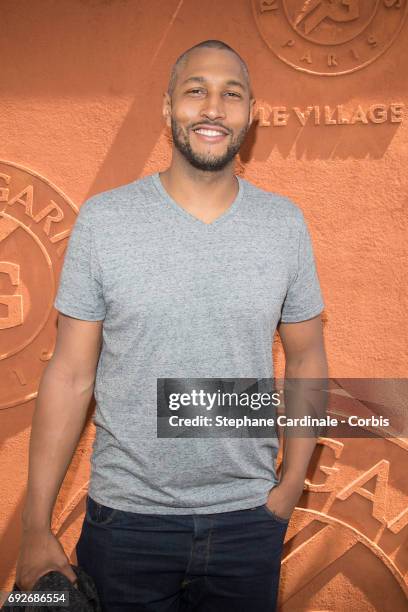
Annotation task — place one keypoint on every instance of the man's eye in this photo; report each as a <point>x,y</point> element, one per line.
<point>195,90</point>
<point>233,94</point>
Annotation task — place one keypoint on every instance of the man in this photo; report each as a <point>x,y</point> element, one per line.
<point>184,273</point>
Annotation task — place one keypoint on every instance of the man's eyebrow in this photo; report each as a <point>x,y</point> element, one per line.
<point>201,79</point>
<point>236,84</point>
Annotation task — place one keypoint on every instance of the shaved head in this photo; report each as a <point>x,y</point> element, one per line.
<point>209,44</point>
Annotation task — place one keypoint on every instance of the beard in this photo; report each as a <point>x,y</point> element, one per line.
<point>206,161</point>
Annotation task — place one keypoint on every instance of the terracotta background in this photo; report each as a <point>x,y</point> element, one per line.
<point>80,104</point>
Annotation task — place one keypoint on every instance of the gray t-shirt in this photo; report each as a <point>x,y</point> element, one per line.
<point>181,298</point>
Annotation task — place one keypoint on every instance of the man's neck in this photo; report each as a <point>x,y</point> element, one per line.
<point>204,194</point>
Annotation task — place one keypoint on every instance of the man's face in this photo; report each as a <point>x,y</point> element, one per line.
<point>210,111</point>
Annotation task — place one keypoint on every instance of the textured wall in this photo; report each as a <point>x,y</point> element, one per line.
<point>80,112</point>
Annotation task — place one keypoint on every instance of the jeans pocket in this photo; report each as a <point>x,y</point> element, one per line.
<point>98,514</point>
<point>279,519</point>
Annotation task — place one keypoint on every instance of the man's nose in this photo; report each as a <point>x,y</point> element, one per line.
<point>213,107</point>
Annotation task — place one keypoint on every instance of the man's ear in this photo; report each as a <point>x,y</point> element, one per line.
<point>167,109</point>
<point>252,103</point>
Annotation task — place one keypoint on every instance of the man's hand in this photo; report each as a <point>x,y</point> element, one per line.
<point>283,498</point>
<point>40,553</point>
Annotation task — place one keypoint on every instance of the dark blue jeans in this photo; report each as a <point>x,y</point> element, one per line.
<point>223,562</point>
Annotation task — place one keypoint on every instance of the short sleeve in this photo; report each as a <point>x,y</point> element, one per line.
<point>303,299</point>
<point>79,292</point>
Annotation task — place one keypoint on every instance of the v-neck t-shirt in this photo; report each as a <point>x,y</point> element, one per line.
<point>180,298</point>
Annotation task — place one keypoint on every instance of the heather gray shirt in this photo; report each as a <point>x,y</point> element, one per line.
<point>181,298</point>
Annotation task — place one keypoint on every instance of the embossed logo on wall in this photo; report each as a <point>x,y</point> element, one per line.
<point>329,37</point>
<point>351,536</point>
<point>35,223</point>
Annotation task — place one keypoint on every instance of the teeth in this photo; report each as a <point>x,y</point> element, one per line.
<point>209,132</point>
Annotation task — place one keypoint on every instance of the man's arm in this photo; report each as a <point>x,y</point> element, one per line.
<point>305,356</point>
<point>60,413</point>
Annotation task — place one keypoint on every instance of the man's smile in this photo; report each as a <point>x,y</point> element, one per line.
<point>213,134</point>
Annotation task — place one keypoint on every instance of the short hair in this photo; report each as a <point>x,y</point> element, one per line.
<point>209,44</point>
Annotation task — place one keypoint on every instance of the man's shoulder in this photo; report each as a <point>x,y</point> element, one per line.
<point>269,204</point>
<point>112,201</point>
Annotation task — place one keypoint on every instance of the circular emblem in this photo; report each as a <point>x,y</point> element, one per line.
<point>35,222</point>
<point>329,37</point>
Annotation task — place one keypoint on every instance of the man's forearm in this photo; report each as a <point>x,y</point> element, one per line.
<point>59,418</point>
<point>298,450</point>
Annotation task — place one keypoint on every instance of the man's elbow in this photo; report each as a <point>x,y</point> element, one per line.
<point>309,363</point>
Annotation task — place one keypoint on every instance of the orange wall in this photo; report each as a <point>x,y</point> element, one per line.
<point>80,112</point>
